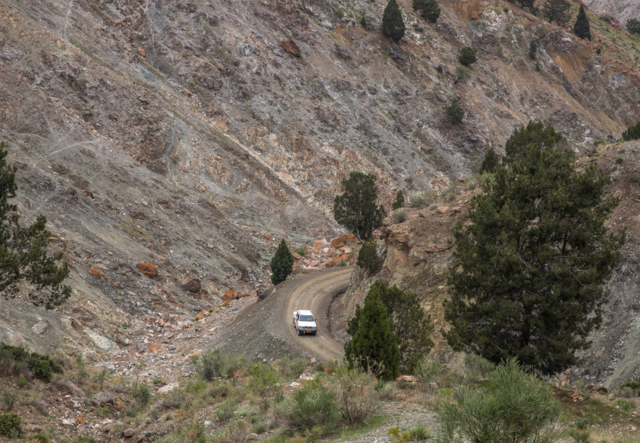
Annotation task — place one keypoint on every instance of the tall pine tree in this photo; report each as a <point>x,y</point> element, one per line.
<point>392,23</point>
<point>373,343</point>
<point>23,250</point>
<point>534,259</point>
<point>582,28</point>
<point>557,11</point>
<point>490,162</point>
<point>281,263</point>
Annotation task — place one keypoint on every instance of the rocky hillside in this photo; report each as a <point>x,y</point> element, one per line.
<point>193,135</point>
<point>623,10</point>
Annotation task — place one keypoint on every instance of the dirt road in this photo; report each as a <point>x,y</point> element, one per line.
<point>265,331</point>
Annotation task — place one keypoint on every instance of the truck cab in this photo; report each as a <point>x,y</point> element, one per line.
<point>304,323</point>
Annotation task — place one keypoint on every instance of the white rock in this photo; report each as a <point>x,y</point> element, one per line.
<point>40,327</point>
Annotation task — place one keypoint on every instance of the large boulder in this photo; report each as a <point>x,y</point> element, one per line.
<point>339,242</point>
<point>291,47</point>
<point>40,327</point>
<point>192,285</point>
<point>148,269</point>
<point>105,398</point>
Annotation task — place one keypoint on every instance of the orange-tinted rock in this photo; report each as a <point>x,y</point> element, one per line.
<point>148,269</point>
<point>141,51</point>
<point>97,274</point>
<point>231,295</point>
<point>120,405</point>
<point>339,242</point>
<point>202,314</point>
<point>291,47</point>
<point>80,420</point>
<point>154,348</point>
<point>474,15</point>
<point>331,264</point>
<point>225,302</point>
<point>266,236</point>
<point>117,284</point>
<point>196,352</point>
<point>296,256</point>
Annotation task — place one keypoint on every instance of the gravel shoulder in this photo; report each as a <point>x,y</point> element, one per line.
<point>264,331</point>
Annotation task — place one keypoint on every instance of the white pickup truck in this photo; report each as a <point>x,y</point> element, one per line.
<point>304,322</point>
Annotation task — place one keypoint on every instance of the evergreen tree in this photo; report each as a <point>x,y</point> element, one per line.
<point>533,50</point>
<point>23,250</point>
<point>373,342</point>
<point>557,11</point>
<point>356,208</point>
<point>399,201</point>
<point>411,325</point>
<point>632,133</point>
<point>455,112</point>
<point>281,263</point>
<point>490,162</point>
<point>392,23</point>
<point>582,28</point>
<point>534,259</point>
<point>428,9</point>
<point>633,26</point>
<point>467,56</point>
<point>368,258</point>
<point>528,4</point>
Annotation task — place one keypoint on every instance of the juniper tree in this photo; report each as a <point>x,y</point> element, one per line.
<point>467,56</point>
<point>368,258</point>
<point>632,133</point>
<point>24,258</point>
<point>281,263</point>
<point>533,50</point>
<point>392,23</point>
<point>535,257</point>
<point>428,9</point>
<point>356,208</point>
<point>490,162</point>
<point>557,11</point>
<point>582,28</point>
<point>373,344</point>
<point>455,112</point>
<point>399,201</point>
<point>633,26</point>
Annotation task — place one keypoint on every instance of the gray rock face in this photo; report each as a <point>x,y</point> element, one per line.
<point>40,327</point>
<point>103,399</point>
<point>623,10</point>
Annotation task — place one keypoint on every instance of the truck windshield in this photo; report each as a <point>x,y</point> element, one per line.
<point>306,318</point>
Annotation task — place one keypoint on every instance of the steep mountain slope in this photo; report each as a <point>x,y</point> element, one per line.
<point>623,10</point>
<point>193,135</point>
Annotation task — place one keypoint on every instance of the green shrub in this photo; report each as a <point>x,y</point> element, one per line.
<point>23,382</point>
<point>423,199</point>
<point>512,407</point>
<point>478,367</point>
<point>368,258</point>
<point>419,433</point>
<point>467,56</point>
<point>619,160</point>
<point>455,112</point>
<point>624,405</point>
<point>42,366</point>
<point>355,394</point>
<point>10,425</point>
<point>399,217</point>
<point>463,73</point>
<point>262,382</point>
<point>9,399</point>
<point>225,410</point>
<point>301,251</point>
<point>259,429</point>
<point>632,133</point>
<point>85,439</point>
<point>141,393</point>
<point>342,263</point>
<point>579,436</point>
<point>310,406</point>
<point>41,437</point>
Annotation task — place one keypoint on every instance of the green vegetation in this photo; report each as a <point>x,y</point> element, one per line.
<point>312,406</point>
<point>399,217</point>
<point>409,323</point>
<point>373,346</point>
<point>633,26</point>
<point>490,162</point>
<point>428,9</point>
<point>463,73</point>
<point>557,11</point>
<point>356,208</point>
<point>392,22</point>
<point>511,406</point>
<point>455,112</point>
<point>301,251</point>
<point>467,56</point>
<point>632,133</point>
<point>10,425</point>
<point>582,28</point>
<point>533,50</point>
<point>399,201</point>
<point>23,250</point>
<point>42,366</point>
<point>281,263</point>
<point>534,260</point>
<point>368,258</point>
